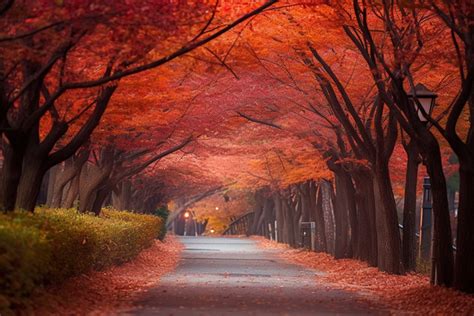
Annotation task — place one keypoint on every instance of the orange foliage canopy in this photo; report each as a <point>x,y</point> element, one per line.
<point>257,73</point>
<point>254,72</point>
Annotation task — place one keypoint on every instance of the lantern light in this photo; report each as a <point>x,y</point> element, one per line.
<point>425,97</point>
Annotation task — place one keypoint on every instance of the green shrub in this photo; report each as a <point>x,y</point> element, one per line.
<point>162,213</point>
<point>423,266</point>
<point>51,245</point>
<point>24,257</point>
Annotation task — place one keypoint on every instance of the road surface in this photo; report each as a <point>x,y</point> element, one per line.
<point>232,276</point>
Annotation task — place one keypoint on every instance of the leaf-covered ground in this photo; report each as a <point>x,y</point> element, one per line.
<point>110,291</point>
<point>409,293</point>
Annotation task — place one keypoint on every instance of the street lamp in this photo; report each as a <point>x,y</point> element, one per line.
<point>421,95</point>
<point>426,99</point>
<point>425,221</point>
<point>186,217</point>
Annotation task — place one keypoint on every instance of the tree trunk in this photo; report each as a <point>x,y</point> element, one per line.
<point>61,178</point>
<point>71,168</point>
<point>289,230</point>
<point>388,236</point>
<point>464,274</point>
<point>258,211</point>
<point>464,271</point>
<point>91,180</point>
<point>442,255</point>
<point>366,210</point>
<point>52,176</point>
<point>30,182</point>
<point>122,196</point>
<point>10,177</point>
<point>321,244</point>
<point>42,198</point>
<point>72,192</point>
<point>409,208</point>
<point>352,216</point>
<point>17,150</point>
<point>100,198</point>
<point>342,243</point>
<point>265,218</point>
<point>328,207</point>
<point>306,205</point>
<point>279,217</point>
<point>296,206</point>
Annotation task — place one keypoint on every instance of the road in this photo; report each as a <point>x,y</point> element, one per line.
<point>232,276</point>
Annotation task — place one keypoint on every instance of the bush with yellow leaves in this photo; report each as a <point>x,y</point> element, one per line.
<point>51,245</point>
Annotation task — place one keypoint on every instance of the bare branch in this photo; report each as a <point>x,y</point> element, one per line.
<point>31,33</point>
<point>251,119</point>
<point>223,63</point>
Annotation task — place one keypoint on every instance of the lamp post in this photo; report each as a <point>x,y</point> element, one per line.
<point>195,224</point>
<point>186,216</point>
<point>425,221</point>
<point>423,100</point>
<point>421,95</point>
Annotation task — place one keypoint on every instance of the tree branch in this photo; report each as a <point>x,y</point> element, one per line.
<point>251,119</point>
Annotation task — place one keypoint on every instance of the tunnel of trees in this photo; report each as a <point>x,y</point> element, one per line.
<point>296,112</point>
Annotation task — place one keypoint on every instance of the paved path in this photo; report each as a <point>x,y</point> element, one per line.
<point>231,276</point>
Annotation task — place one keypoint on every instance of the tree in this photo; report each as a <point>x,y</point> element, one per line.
<point>22,130</point>
<point>457,16</point>
<point>389,80</point>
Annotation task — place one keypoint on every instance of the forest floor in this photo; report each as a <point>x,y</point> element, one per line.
<point>407,294</point>
<point>113,290</point>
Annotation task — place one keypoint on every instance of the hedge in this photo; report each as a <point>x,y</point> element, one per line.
<point>51,245</point>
